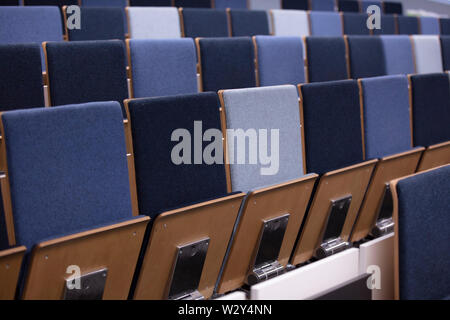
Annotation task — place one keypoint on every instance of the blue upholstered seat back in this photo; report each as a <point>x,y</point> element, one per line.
<point>398,55</point>
<point>280,60</point>
<point>163,67</point>
<point>431,108</point>
<point>162,184</point>
<point>367,3</point>
<point>103,3</point>
<point>387,128</point>
<point>355,23</point>
<point>348,5</point>
<point>268,108</point>
<point>205,23</point>
<point>326,59</point>
<point>67,169</point>
<point>193,3</point>
<point>235,4</point>
<point>150,3</point>
<point>296,4</point>
<point>408,25</point>
<point>325,23</point>
<point>249,22</point>
<point>445,47</point>
<point>323,5</point>
<point>445,26</point>
<point>332,125</point>
<point>429,25</point>
<point>264,4</point>
<point>423,229</point>
<point>227,63</point>
<point>388,25</point>
<point>366,57</point>
<point>21,77</point>
<point>10,3</point>
<point>393,7</point>
<point>50,2</point>
<point>85,71</point>
<point>100,24</point>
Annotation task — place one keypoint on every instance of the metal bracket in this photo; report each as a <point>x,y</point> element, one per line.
<point>92,286</point>
<point>266,265</point>
<point>384,223</point>
<point>187,271</point>
<point>331,241</point>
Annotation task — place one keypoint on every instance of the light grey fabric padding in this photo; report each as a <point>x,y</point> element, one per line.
<point>264,4</point>
<point>427,52</point>
<point>153,22</point>
<point>290,23</point>
<point>269,108</point>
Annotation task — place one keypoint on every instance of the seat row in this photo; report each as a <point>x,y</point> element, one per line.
<point>79,183</point>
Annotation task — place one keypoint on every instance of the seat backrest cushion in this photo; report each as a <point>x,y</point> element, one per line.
<point>295,4</point>
<point>393,7</point>
<point>365,4</point>
<point>264,4</point>
<point>161,183</point>
<point>227,63</point>
<point>431,108</point>
<point>249,22</point>
<point>445,26</point>
<point>162,67</point>
<point>355,23</point>
<point>326,59</point>
<point>408,25</point>
<point>429,25</point>
<point>205,23</point>
<point>271,109</point>
<point>323,5</point>
<point>423,202</point>
<point>332,125</point>
<point>348,6</point>
<point>445,46</point>
<point>103,3</point>
<point>325,23</point>
<point>398,54</point>
<point>193,3</point>
<point>59,3</point>
<point>21,77</point>
<point>388,25</point>
<point>67,169</point>
<point>280,60</point>
<point>387,126</point>
<point>428,55</point>
<point>150,3</point>
<point>290,23</point>
<point>366,57</point>
<point>153,22</point>
<point>234,4</point>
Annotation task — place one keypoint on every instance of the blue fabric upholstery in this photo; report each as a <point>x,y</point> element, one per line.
<point>161,184</point>
<point>85,71</point>
<point>398,54</point>
<point>100,24</point>
<point>388,25</point>
<point>325,24</point>
<point>387,127</point>
<point>21,77</point>
<point>234,4</point>
<point>366,57</point>
<point>249,23</point>
<point>50,2</point>
<point>150,3</point>
<point>367,3</point>
<point>429,25</point>
<point>103,3</point>
<point>431,108</point>
<point>264,4</point>
<point>445,26</point>
<point>153,22</point>
<point>393,7</point>
<point>326,59</point>
<point>268,108</point>
<point>348,6</point>
<point>205,23</point>
<point>445,47</point>
<point>9,3</point>
<point>280,60</point>
<point>67,169</point>
<point>163,67</point>
<point>423,202</point>
<point>332,125</point>
<point>295,4</point>
<point>193,3</point>
<point>408,25</point>
<point>355,23</point>
<point>323,5</point>
<point>227,63</point>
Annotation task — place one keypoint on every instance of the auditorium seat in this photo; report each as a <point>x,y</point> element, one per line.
<point>279,60</point>
<point>323,5</point>
<point>85,71</point>
<point>193,3</point>
<point>388,25</point>
<point>366,57</point>
<point>290,23</point>
<point>445,25</point>
<point>162,67</point>
<point>295,4</point>
<point>21,84</point>
<point>248,22</point>
<point>429,25</point>
<point>326,59</point>
<point>204,23</point>
<point>365,4</point>
<point>69,198</point>
<point>185,192</point>
<point>421,204</point>
<point>59,3</point>
<point>153,22</point>
<point>355,23</point>
<point>393,7</point>
<point>332,135</point>
<point>270,118</point>
<point>10,264</point>
<point>387,137</point>
<point>408,25</point>
<point>445,47</point>
<point>398,54</point>
<point>348,5</point>
<point>233,4</point>
<point>226,63</point>
<point>427,53</point>
<point>431,116</point>
<point>264,4</point>
<point>150,3</point>
<point>98,24</point>
<point>10,3</point>
<point>325,23</point>
<point>103,3</point>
